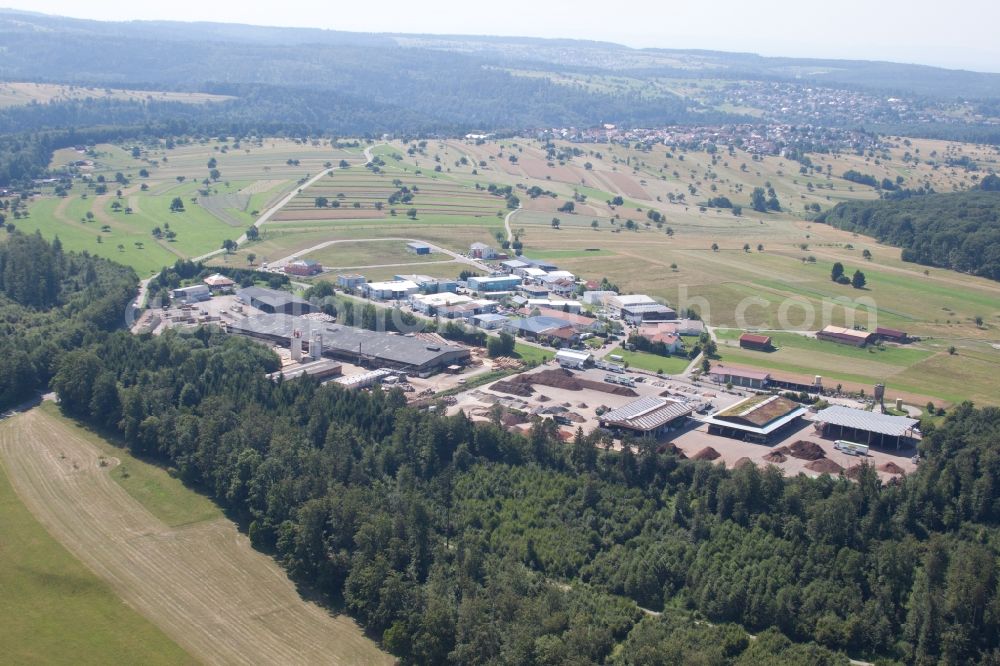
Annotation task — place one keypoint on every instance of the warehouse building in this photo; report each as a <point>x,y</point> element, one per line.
<point>373,349</point>
<point>417,247</point>
<point>392,290</point>
<point>892,335</point>
<point>273,301</point>
<point>540,328</point>
<point>865,427</point>
<point>647,312</point>
<point>481,251</point>
<point>759,418</point>
<point>744,377</point>
<point>350,281</point>
<point>493,284</point>
<point>490,321</point>
<point>193,294</point>
<point>650,416</point>
<point>845,336</point>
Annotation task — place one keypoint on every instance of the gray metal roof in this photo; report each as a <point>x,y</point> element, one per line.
<point>647,413</point>
<point>646,307</point>
<point>272,297</point>
<point>540,324</point>
<point>858,419</point>
<point>346,339</point>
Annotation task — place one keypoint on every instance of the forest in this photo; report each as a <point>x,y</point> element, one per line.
<point>456,542</point>
<point>960,230</point>
<point>52,301</point>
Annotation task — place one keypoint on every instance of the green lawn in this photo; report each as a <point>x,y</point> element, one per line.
<point>529,353</point>
<point>669,365</point>
<point>56,611</point>
<point>162,495</point>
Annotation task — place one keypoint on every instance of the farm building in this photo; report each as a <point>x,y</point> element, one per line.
<point>755,342</point>
<point>481,251</point>
<point>649,416</point>
<point>569,358</point>
<point>219,283</point>
<point>540,328</point>
<point>759,418</point>
<point>755,379</point>
<point>355,345</point>
<point>493,284</point>
<point>489,321</point>
<point>351,281</point>
<point>643,312</point>
<point>866,427</point>
<point>392,290</point>
<point>892,335</point>
<point>845,336</point>
<point>193,294</point>
<point>615,303</point>
<point>417,247</point>
<point>303,268</point>
<point>273,301</point>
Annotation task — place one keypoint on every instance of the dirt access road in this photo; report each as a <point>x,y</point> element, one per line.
<point>202,584</point>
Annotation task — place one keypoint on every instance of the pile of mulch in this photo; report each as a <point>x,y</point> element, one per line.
<point>671,448</point>
<point>824,466</point>
<point>541,398</point>
<point>513,418</point>
<point>742,462</point>
<point>564,379</point>
<point>778,455</point>
<point>504,386</point>
<point>707,453</point>
<point>891,468</point>
<point>806,450</point>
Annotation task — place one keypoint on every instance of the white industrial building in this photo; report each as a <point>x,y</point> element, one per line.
<point>393,290</point>
<point>569,358</point>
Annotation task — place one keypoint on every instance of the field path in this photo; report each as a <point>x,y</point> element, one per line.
<point>202,584</point>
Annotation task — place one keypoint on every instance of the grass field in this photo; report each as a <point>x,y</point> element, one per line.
<point>19,94</point>
<point>201,584</point>
<point>371,253</point>
<point>668,365</point>
<point>161,494</point>
<point>55,610</point>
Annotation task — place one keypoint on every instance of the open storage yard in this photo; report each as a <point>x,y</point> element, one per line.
<point>201,583</point>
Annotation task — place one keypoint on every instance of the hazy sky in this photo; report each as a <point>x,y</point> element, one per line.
<point>957,33</point>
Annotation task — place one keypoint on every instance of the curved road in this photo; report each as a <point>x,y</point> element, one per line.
<point>454,255</point>
<point>506,224</point>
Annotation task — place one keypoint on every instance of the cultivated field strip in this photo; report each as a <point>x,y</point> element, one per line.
<point>202,584</point>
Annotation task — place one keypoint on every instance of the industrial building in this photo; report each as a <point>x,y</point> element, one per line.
<point>647,312</point>
<point>273,301</point>
<point>866,427</point>
<point>193,294</point>
<point>429,304</point>
<point>490,321</point>
<point>552,304</point>
<point>615,303</point>
<point>569,358</point>
<point>417,247</point>
<point>430,285</point>
<point>755,342</point>
<point>597,297</point>
<point>511,265</point>
<point>351,281</point>
<point>322,370</point>
<point>303,268</point>
<point>493,284</point>
<point>355,345</point>
<point>892,335</point>
<point>540,328</point>
<point>759,418</point>
<point>392,290</point>
<point>845,336</point>
<point>649,416</point>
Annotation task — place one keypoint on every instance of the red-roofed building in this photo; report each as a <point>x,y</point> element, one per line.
<point>755,341</point>
<point>892,334</point>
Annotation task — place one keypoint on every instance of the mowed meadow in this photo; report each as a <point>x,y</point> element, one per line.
<point>639,217</point>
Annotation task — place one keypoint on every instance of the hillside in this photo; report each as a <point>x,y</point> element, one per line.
<point>959,230</point>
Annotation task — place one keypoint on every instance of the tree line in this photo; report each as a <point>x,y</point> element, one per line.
<point>960,230</point>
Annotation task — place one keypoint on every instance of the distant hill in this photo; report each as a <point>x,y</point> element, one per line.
<point>958,230</point>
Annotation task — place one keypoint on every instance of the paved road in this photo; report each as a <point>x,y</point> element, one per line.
<point>434,248</point>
